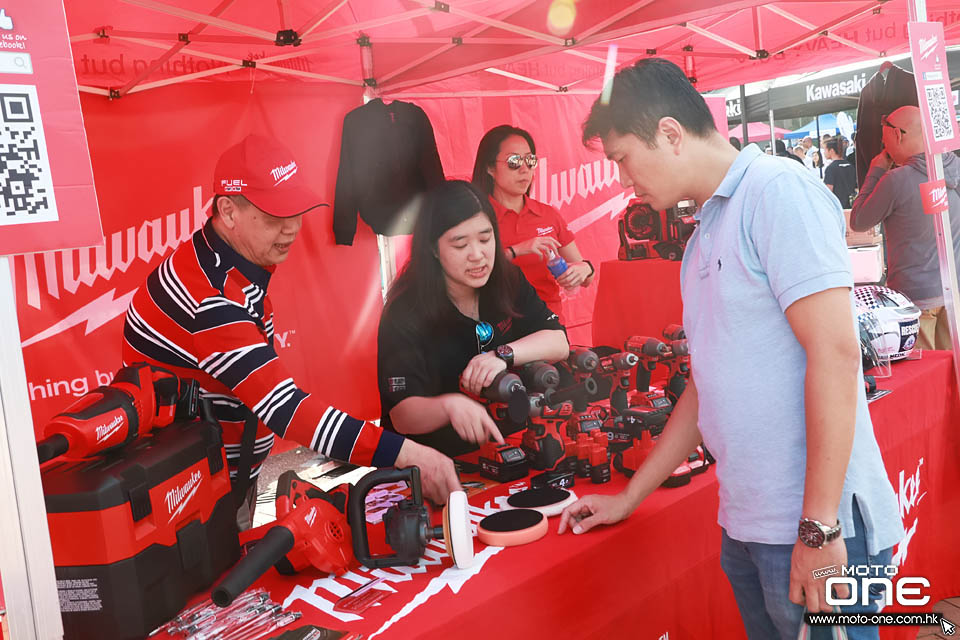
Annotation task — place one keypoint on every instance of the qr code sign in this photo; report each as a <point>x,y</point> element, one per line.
<point>26,186</point>
<point>939,112</point>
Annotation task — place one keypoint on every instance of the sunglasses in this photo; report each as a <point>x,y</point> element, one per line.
<point>515,160</point>
<point>484,335</point>
<point>886,123</point>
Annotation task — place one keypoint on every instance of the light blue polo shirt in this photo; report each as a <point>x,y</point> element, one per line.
<point>770,235</point>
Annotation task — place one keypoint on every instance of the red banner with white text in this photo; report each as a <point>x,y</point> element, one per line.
<point>153,156</point>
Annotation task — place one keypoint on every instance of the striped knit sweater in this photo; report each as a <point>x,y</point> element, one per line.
<point>204,313</point>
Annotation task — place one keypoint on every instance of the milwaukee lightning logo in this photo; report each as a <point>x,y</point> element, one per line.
<point>311,516</point>
<point>284,173</point>
<point>178,497</point>
<point>57,273</point>
<point>104,431</point>
<point>927,46</point>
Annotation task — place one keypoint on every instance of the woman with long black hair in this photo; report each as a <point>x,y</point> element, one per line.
<point>457,315</point>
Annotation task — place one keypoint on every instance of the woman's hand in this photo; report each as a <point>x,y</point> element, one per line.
<point>470,419</point>
<point>541,246</point>
<point>480,372</point>
<point>576,274</point>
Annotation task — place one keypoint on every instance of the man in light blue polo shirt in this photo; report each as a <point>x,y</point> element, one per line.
<point>776,382</point>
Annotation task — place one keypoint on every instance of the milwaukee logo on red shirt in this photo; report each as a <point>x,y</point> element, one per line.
<point>178,497</point>
<point>934,197</point>
<point>283,173</point>
<point>544,231</point>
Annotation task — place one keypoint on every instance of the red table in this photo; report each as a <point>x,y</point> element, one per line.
<point>657,575</point>
<point>636,297</point>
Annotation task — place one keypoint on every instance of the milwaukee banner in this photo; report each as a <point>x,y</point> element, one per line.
<point>153,157</point>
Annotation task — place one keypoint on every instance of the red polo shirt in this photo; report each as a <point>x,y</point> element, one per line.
<point>536,219</point>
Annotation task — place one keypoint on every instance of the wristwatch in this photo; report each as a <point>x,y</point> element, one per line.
<point>814,533</point>
<point>505,353</point>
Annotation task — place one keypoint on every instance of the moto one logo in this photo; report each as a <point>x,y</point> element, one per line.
<point>859,579</point>
<point>104,431</point>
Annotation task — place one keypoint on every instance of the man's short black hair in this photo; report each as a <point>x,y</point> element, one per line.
<point>833,144</point>
<point>641,95</point>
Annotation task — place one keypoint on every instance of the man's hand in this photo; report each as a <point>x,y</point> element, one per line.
<point>480,371</point>
<point>438,476</point>
<point>575,275</point>
<point>882,160</point>
<point>589,511</point>
<point>470,419</point>
<point>541,246</point>
<point>808,591</point>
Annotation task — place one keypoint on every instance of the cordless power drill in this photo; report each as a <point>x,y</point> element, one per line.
<point>650,351</point>
<point>505,399</point>
<point>678,366</point>
<point>546,440</point>
<point>140,398</point>
<point>612,376</point>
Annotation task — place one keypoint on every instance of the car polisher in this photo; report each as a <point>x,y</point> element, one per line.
<point>512,527</point>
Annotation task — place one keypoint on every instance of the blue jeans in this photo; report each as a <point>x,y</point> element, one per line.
<point>760,577</point>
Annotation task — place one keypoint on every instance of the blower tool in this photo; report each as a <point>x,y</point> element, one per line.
<point>140,398</point>
<point>328,530</point>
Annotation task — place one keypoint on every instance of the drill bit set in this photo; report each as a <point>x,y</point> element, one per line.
<point>249,617</point>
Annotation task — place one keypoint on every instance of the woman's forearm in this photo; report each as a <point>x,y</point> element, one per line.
<point>547,344</point>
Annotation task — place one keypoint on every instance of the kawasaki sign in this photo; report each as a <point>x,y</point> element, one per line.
<point>823,91</point>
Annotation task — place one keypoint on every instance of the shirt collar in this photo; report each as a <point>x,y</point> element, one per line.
<point>229,257</point>
<point>734,174</point>
<point>499,209</point>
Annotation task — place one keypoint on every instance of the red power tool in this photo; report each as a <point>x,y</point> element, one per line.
<point>650,351</point>
<point>140,398</point>
<point>545,441</point>
<point>506,401</point>
<point>613,378</point>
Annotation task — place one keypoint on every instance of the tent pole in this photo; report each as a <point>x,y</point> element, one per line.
<point>948,267</point>
<point>819,138</point>
<point>773,135</point>
<point>743,116</point>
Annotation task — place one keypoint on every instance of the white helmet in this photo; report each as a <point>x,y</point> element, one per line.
<point>897,317</point>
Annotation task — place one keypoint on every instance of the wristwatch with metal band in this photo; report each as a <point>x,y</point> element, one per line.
<point>814,533</point>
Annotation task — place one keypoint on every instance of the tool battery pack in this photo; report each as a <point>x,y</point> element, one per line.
<point>135,533</point>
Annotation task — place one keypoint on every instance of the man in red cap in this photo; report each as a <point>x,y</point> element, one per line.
<point>204,313</point>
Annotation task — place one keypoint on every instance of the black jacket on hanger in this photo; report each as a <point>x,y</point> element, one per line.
<point>888,90</point>
<point>388,155</point>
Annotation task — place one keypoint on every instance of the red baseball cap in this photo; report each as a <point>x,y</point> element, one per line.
<point>264,172</point>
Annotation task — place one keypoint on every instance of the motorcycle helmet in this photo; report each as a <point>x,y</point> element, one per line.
<point>888,321</point>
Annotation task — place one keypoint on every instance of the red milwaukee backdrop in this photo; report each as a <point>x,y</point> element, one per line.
<point>153,156</point>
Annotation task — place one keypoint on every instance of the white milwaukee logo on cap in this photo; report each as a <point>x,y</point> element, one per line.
<point>284,173</point>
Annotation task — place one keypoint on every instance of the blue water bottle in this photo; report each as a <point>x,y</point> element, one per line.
<point>556,264</point>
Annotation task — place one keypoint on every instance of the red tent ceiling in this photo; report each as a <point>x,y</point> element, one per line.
<point>423,47</point>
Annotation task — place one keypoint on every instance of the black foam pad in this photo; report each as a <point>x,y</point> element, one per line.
<point>511,520</point>
<point>533,498</point>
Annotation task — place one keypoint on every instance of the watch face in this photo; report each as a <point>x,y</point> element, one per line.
<point>810,534</point>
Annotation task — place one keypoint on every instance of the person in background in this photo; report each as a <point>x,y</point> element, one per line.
<point>816,164</point>
<point>735,141</point>
<point>531,231</point>
<point>892,196</point>
<point>783,153</point>
<point>799,152</point>
<point>840,176</point>
<point>802,484</point>
<point>458,314</point>
<point>205,313</point>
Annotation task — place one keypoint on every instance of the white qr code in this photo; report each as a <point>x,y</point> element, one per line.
<point>939,112</point>
<point>26,186</point>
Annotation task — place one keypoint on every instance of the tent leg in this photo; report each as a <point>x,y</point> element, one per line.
<point>773,133</point>
<point>743,115</point>
<point>819,138</point>
<point>948,267</point>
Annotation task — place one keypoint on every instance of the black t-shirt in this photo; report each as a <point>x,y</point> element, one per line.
<point>417,360</point>
<point>843,176</point>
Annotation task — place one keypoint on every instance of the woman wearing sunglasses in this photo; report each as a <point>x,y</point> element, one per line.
<point>457,315</point>
<point>530,230</point>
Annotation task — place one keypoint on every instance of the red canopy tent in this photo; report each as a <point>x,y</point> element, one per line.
<point>167,84</point>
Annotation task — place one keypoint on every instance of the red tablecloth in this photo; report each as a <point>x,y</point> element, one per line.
<point>636,297</point>
<point>657,575</point>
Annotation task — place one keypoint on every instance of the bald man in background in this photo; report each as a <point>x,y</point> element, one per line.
<point>891,195</point>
